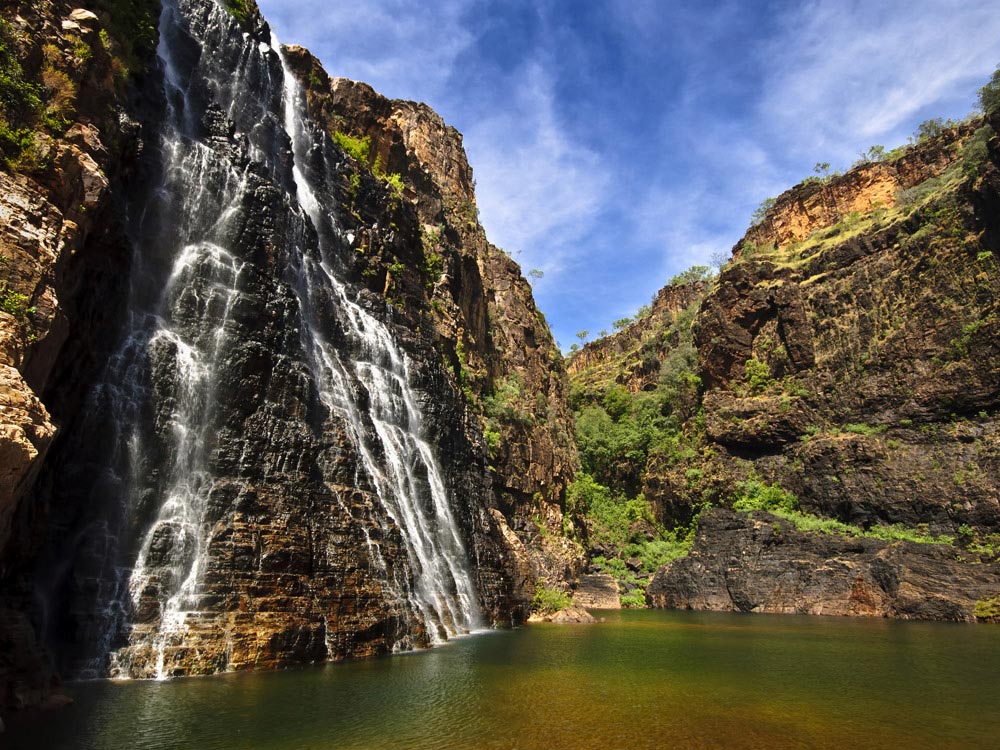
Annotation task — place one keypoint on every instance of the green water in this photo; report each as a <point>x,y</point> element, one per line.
<point>642,679</point>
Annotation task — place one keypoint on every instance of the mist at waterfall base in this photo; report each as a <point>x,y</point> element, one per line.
<point>643,679</point>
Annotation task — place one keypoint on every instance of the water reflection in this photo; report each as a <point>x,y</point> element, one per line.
<point>642,679</point>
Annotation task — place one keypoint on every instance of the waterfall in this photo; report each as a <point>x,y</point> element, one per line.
<point>237,129</point>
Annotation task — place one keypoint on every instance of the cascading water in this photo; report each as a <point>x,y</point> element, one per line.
<point>242,195</point>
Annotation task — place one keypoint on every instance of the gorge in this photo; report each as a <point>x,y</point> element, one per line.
<point>270,397</point>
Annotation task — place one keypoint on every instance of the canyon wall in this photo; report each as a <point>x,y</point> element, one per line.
<point>846,360</point>
<point>273,396</point>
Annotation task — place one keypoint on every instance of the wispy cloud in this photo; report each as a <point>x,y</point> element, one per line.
<point>841,76</point>
<point>404,49</point>
<point>539,192</point>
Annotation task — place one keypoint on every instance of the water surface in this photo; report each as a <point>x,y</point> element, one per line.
<point>641,679</point>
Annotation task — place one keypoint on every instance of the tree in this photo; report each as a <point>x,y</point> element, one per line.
<point>760,213</point>
<point>582,335</point>
<point>693,274</point>
<point>621,323</point>
<point>573,349</point>
<point>875,153</point>
<point>822,168</point>
<point>536,273</point>
<point>720,260</point>
<point>989,95</point>
<point>603,333</point>
<point>928,129</point>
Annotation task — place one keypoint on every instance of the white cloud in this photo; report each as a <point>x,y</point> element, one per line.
<point>404,49</point>
<point>538,191</point>
<point>843,74</point>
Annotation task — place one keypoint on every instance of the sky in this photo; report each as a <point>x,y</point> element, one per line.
<point>616,143</point>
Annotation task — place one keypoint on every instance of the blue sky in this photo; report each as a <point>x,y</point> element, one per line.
<point>617,142</point>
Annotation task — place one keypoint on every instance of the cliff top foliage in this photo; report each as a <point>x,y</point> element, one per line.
<point>20,101</point>
<point>33,102</point>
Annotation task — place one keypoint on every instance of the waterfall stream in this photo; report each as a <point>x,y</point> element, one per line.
<point>183,329</point>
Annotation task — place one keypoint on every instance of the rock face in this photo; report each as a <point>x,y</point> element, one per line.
<point>597,591</point>
<point>756,563</point>
<point>480,311</point>
<point>62,268</point>
<point>632,356</point>
<point>858,368</point>
<point>304,413</point>
<point>848,355</point>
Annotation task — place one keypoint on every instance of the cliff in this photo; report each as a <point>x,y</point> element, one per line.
<point>846,361</point>
<point>271,396</point>
<point>69,143</point>
<point>482,315</point>
<point>631,357</point>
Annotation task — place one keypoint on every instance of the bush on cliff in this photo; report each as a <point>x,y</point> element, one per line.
<point>549,601</point>
<point>20,102</point>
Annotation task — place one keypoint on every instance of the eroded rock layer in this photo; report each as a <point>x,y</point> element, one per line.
<point>848,365</point>
<point>257,337</point>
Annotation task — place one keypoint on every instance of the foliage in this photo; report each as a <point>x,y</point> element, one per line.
<point>20,102</point>
<point>504,404</point>
<point>989,95</point>
<point>760,213</point>
<point>773,499</point>
<point>976,151</point>
<point>621,323</point>
<point>929,129</point>
<point>549,601</point>
<point>15,304</point>
<point>394,181</point>
<point>691,275</point>
<point>987,609</point>
<point>635,546</point>
<point>755,495</point>
<point>536,273</point>
<point>357,148</point>
<point>239,9</point>
<point>757,375</point>
<point>875,153</point>
<point>634,600</point>
<point>132,33</point>
<point>858,428</point>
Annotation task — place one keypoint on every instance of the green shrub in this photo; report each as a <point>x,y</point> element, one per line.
<point>691,275</point>
<point>929,129</point>
<point>14,304</point>
<point>760,213</point>
<point>988,608</point>
<point>757,375</point>
<point>755,495</point>
<point>504,403</point>
<point>549,601</point>
<point>858,428</point>
<point>989,95</point>
<point>357,148</point>
<point>634,600</point>
<point>20,102</point>
<point>132,33</point>
<point>239,9</point>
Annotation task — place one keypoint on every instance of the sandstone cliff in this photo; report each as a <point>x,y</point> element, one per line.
<point>477,307</point>
<point>847,368</point>
<point>292,554</point>
<point>63,260</point>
